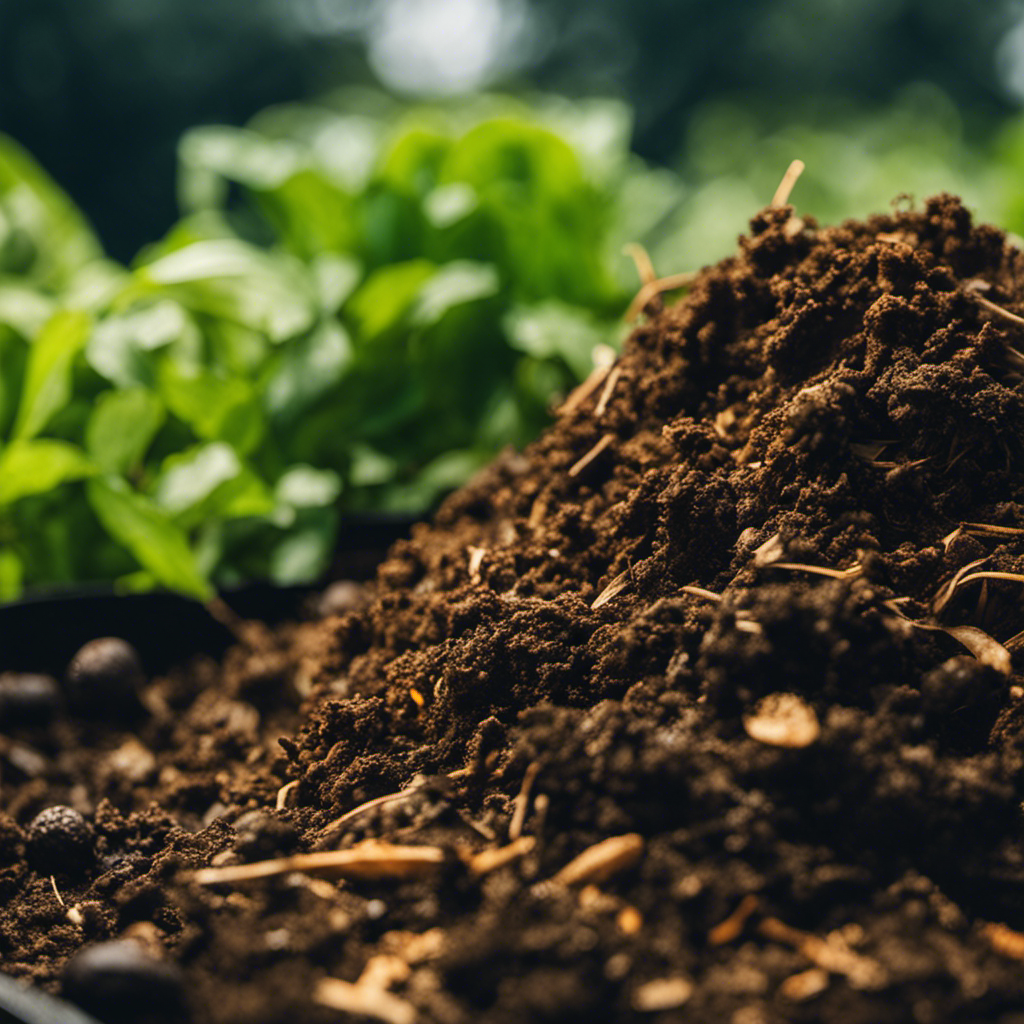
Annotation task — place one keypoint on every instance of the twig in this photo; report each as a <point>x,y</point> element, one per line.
<point>789,179</point>
<point>585,460</point>
<point>604,358</point>
<point>1005,531</point>
<point>603,860</point>
<point>522,801</point>
<point>993,307</point>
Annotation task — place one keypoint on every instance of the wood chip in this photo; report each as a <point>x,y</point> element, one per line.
<point>731,928</point>
<point>783,720</point>
<point>798,988</point>
<point>831,954</point>
<point>662,994</point>
<point>363,1001</point>
<point>616,587</point>
<point>585,460</point>
<point>1004,940</point>
<point>603,860</point>
<point>369,860</point>
<point>486,861</point>
<point>606,394</point>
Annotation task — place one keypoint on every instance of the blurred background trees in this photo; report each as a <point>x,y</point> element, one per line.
<point>101,90</point>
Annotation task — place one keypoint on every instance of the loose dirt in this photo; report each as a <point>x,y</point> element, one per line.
<point>702,708</point>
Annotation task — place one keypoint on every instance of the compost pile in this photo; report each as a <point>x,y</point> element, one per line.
<point>702,708</point>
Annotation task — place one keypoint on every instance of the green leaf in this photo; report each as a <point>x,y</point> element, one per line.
<point>216,408</point>
<point>555,330</point>
<point>122,427</point>
<point>156,543</point>
<point>304,553</point>
<point>58,234</point>
<point>25,309</point>
<point>230,279</point>
<point>307,487</point>
<point>308,368</point>
<point>453,285</point>
<point>48,373</point>
<point>12,574</point>
<point>210,482</point>
<point>120,345</point>
<point>386,296</point>
<point>35,467</point>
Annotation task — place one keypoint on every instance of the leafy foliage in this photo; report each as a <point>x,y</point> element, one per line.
<point>361,304</point>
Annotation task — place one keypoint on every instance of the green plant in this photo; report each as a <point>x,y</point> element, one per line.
<point>362,303</point>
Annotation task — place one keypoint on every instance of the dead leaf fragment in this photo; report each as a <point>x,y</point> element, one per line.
<point>783,720</point>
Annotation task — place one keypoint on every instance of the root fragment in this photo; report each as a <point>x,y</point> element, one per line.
<point>731,928</point>
<point>789,179</point>
<point>820,570</point>
<point>831,954</point>
<point>653,289</point>
<point>369,860</point>
<point>486,861</point>
<point>606,394</point>
<point>522,801</point>
<point>602,861</point>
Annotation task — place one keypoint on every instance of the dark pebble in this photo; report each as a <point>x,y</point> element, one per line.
<point>120,983</point>
<point>60,841</point>
<point>27,699</point>
<point>104,679</point>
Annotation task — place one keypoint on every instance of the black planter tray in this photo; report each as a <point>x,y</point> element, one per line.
<point>42,632</point>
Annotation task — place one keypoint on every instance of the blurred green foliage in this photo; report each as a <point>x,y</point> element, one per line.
<point>363,302</point>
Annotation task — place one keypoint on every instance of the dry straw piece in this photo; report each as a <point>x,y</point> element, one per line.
<point>783,720</point>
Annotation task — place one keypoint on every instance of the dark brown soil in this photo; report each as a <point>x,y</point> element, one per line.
<point>601,632</point>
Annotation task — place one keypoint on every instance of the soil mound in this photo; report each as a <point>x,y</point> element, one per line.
<point>700,709</point>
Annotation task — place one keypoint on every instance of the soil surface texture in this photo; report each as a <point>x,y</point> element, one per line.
<point>701,709</point>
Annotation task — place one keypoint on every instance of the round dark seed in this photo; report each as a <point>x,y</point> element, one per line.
<point>27,699</point>
<point>60,840</point>
<point>120,983</point>
<point>104,679</point>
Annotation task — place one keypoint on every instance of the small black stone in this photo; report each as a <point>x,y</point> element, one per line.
<point>27,699</point>
<point>120,983</point>
<point>104,679</point>
<point>60,840</point>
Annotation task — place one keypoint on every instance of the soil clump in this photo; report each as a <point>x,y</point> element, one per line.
<point>703,708</point>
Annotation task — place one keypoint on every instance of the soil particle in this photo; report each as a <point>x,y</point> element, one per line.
<point>741,630</point>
